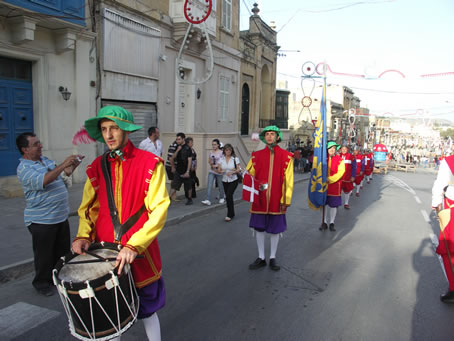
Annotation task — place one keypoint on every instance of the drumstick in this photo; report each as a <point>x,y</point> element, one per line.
<point>99,260</point>
<point>103,258</point>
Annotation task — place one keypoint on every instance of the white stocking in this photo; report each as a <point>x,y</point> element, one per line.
<point>347,197</point>
<point>325,218</point>
<point>358,188</point>
<point>344,197</point>
<point>260,236</point>
<point>152,327</point>
<point>332,214</point>
<point>274,240</point>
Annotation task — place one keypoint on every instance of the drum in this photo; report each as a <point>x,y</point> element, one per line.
<point>100,305</point>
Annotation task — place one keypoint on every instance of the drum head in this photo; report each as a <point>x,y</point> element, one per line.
<point>90,271</point>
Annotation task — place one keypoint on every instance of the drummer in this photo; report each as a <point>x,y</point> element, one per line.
<point>140,195</point>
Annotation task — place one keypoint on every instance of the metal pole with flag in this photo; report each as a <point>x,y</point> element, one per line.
<point>318,180</point>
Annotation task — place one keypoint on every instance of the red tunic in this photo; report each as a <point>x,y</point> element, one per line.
<point>369,163</point>
<point>270,169</point>
<point>347,184</point>
<point>129,192</point>
<point>358,178</point>
<point>334,189</point>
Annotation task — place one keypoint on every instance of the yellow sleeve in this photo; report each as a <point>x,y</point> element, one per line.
<point>287,186</point>
<point>340,173</point>
<point>88,212</point>
<point>250,168</point>
<point>156,202</point>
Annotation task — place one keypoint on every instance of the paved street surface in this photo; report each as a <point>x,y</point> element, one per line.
<point>375,278</point>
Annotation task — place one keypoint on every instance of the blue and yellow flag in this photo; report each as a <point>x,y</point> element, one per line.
<point>318,182</point>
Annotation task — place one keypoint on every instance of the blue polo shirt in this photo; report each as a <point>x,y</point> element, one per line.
<point>44,205</point>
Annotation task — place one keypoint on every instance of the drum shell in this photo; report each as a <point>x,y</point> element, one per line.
<point>90,314</point>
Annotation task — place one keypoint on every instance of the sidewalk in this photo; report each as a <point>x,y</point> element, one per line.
<point>16,244</point>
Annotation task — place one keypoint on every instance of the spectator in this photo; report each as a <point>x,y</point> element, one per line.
<point>181,162</point>
<point>195,181</point>
<point>152,143</point>
<point>172,148</point>
<point>47,207</point>
<point>229,167</point>
<point>213,174</point>
<point>297,159</point>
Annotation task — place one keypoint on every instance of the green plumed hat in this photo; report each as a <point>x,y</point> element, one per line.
<point>330,144</point>
<point>270,128</point>
<point>122,118</point>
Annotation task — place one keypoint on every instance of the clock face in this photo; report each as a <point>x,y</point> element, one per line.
<point>306,101</point>
<point>197,11</point>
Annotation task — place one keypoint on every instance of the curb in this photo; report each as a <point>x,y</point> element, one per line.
<point>18,269</point>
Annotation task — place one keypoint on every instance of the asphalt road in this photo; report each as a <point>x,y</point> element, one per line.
<point>375,278</point>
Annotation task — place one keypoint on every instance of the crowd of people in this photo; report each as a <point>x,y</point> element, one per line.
<point>125,198</point>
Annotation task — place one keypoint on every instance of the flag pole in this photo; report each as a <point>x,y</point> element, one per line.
<point>325,66</point>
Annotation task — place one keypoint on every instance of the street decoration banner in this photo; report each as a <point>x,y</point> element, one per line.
<point>318,179</point>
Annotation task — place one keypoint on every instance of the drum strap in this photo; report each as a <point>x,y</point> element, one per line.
<point>119,229</point>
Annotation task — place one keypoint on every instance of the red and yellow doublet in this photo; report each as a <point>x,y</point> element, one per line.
<point>336,170</point>
<point>446,238</point>
<point>369,163</point>
<point>275,169</point>
<point>347,183</point>
<point>358,178</point>
<point>137,180</point>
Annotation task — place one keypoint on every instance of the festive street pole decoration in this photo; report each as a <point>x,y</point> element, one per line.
<point>196,12</point>
<point>308,69</point>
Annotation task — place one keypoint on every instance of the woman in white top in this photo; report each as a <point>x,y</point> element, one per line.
<point>230,167</point>
<point>213,173</point>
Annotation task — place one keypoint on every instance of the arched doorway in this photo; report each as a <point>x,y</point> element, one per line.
<point>245,109</point>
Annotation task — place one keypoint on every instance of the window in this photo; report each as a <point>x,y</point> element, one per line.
<point>223,98</point>
<point>227,14</point>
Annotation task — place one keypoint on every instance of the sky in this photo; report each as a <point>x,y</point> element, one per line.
<point>369,37</point>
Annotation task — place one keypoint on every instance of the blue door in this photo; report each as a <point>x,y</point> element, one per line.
<point>16,110</point>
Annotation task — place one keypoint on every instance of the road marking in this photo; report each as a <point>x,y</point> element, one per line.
<point>417,199</point>
<point>20,317</point>
<point>425,215</point>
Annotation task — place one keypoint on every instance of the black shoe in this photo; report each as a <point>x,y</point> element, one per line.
<point>189,202</point>
<point>331,227</point>
<point>258,263</point>
<point>447,297</point>
<point>47,291</point>
<point>273,265</point>
<point>323,227</point>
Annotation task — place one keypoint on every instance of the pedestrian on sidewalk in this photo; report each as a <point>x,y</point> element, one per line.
<point>181,167</point>
<point>152,143</point>
<point>229,166</point>
<point>336,170</point>
<point>272,169</point>
<point>136,182</point>
<point>193,175</point>
<point>47,206</point>
<point>213,174</point>
<point>171,150</point>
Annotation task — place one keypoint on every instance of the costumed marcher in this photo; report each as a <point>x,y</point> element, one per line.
<point>336,170</point>
<point>349,175</point>
<point>137,184</point>
<point>272,169</point>
<point>368,165</point>
<point>359,176</point>
<point>443,195</point>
